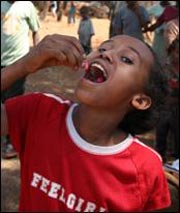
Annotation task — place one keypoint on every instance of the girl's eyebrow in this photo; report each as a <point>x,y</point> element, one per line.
<point>131,48</point>
<point>137,53</point>
<point>107,41</point>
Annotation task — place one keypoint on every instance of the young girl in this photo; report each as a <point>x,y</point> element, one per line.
<point>83,157</point>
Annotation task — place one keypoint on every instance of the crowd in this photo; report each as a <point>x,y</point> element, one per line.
<point>84,157</point>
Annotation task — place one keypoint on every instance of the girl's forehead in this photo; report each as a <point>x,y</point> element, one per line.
<point>119,41</point>
<point>127,40</point>
<point>122,41</point>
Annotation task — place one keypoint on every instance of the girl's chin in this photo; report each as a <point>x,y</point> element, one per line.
<point>83,97</point>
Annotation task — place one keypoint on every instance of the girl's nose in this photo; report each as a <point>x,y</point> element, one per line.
<point>106,54</point>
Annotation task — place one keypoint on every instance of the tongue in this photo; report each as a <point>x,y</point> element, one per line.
<point>99,80</point>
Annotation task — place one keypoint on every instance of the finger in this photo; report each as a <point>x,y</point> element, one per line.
<point>74,57</point>
<point>55,58</point>
<point>73,52</point>
<point>71,59</point>
<point>66,48</point>
<point>62,47</point>
<point>77,45</point>
<point>71,40</point>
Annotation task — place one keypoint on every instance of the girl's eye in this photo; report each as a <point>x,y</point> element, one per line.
<point>101,50</point>
<point>126,60</point>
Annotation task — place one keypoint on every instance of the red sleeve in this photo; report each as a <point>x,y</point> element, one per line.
<point>159,195</point>
<point>152,181</point>
<point>20,111</point>
<point>27,111</point>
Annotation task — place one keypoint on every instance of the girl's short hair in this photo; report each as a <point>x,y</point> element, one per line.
<point>141,121</point>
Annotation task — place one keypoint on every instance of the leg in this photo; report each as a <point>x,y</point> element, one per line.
<point>73,17</point>
<point>175,130</point>
<point>88,46</point>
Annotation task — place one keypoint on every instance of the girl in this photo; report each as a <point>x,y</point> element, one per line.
<point>84,157</point>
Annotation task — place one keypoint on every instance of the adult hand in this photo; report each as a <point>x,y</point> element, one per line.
<point>54,50</point>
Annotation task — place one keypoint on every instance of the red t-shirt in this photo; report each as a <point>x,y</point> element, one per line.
<point>62,172</point>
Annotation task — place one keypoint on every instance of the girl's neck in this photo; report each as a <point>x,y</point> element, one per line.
<point>97,127</point>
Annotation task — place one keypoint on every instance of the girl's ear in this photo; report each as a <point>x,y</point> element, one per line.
<point>141,102</point>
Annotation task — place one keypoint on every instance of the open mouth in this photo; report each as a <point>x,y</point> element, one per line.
<point>96,73</point>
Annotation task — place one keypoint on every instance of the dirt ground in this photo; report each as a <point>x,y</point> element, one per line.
<point>57,80</point>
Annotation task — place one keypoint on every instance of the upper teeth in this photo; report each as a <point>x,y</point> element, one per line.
<point>99,67</point>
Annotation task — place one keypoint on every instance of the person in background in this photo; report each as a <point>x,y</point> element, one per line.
<point>171,31</point>
<point>170,121</point>
<point>53,7</point>
<point>72,13</point>
<point>130,20</point>
<point>156,37</point>
<point>17,19</point>
<point>85,30</point>
<point>169,13</point>
<point>59,10</point>
<point>114,8</point>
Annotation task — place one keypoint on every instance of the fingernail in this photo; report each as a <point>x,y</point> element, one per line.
<point>85,65</point>
<point>84,56</point>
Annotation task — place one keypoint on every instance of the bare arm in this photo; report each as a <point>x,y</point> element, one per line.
<point>153,27</point>
<point>171,32</point>
<point>35,38</point>
<point>12,73</point>
<point>53,50</point>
